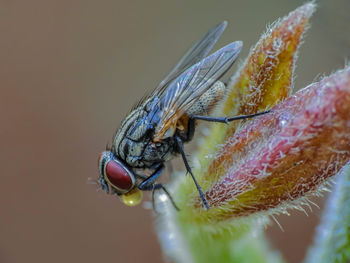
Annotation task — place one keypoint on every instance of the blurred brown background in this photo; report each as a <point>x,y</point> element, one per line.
<point>70,71</point>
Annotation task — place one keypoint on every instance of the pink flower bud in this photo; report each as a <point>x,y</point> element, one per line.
<point>282,156</point>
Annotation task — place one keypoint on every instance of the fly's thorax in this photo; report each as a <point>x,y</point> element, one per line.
<point>135,125</point>
<point>159,152</point>
<point>131,138</point>
<point>208,100</point>
<point>133,142</point>
<point>146,153</point>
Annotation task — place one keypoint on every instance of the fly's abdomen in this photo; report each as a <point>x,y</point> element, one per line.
<point>208,100</point>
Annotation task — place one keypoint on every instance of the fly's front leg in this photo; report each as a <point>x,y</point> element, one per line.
<point>149,185</point>
<point>226,119</point>
<point>189,170</point>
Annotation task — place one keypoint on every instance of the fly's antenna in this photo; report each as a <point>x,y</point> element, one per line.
<point>92,181</point>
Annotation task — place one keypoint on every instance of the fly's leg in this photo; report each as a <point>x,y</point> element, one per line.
<point>189,170</point>
<point>149,185</point>
<point>208,100</point>
<point>160,186</point>
<point>226,119</point>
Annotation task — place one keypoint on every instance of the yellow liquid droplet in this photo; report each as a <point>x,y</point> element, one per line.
<point>132,198</point>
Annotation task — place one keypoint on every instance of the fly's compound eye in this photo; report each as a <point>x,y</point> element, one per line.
<point>115,173</point>
<point>117,176</point>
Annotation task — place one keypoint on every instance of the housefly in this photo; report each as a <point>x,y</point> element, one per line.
<point>157,128</point>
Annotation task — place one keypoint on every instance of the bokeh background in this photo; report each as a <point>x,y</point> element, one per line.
<point>71,70</point>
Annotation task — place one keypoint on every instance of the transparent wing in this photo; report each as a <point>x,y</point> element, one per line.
<point>196,53</point>
<point>183,91</point>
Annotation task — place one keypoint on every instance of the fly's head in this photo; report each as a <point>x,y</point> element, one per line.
<point>115,177</point>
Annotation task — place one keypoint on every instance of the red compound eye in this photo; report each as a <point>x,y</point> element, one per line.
<point>118,176</point>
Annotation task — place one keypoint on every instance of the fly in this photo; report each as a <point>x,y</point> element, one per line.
<point>157,128</point>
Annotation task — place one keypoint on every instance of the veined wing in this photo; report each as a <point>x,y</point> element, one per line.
<point>196,53</point>
<point>183,91</point>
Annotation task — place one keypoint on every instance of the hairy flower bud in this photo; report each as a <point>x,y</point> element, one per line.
<point>283,156</point>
